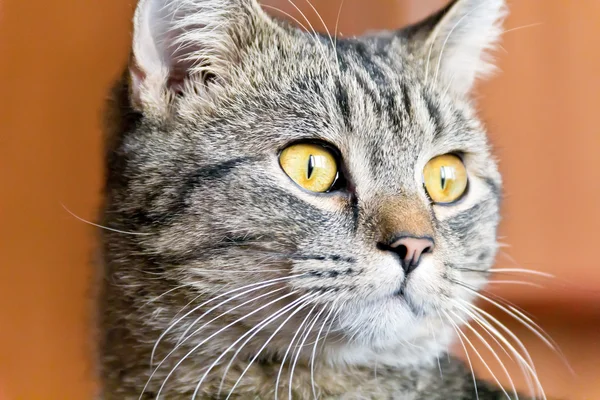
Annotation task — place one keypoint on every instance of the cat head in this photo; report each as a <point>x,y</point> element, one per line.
<point>348,180</point>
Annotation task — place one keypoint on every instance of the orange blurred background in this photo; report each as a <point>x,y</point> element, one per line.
<point>57,60</point>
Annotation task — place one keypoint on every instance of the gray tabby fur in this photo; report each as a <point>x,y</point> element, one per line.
<point>199,207</point>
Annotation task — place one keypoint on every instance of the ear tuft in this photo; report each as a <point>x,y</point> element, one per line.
<point>457,42</point>
<point>182,46</point>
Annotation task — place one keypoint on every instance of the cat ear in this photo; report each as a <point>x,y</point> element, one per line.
<point>456,42</point>
<point>184,45</point>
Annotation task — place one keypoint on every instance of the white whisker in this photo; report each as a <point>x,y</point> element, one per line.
<point>490,348</point>
<point>317,40</point>
<point>255,286</point>
<point>439,63</point>
<point>286,14</point>
<point>305,300</point>
<point>514,282</point>
<point>466,352</point>
<point>527,366</point>
<point>337,22</point>
<point>522,270</point>
<point>309,328</point>
<point>461,333</point>
<point>432,330</point>
<point>333,45</point>
<point>166,293</point>
<point>226,312</point>
<point>531,327</point>
<point>314,351</point>
<point>522,27</point>
<point>195,348</point>
<point>293,339</point>
<point>252,332</point>
<point>262,286</point>
<point>101,226</point>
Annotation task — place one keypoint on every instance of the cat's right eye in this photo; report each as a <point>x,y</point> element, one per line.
<point>311,166</point>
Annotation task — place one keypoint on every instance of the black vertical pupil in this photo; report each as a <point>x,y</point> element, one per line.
<point>443,176</point>
<point>311,165</point>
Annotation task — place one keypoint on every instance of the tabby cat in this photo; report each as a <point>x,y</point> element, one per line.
<point>294,215</point>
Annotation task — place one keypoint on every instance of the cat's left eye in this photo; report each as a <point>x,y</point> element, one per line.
<point>311,166</point>
<point>445,178</point>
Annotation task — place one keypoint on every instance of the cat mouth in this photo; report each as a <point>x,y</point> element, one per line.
<point>400,294</point>
<point>401,291</point>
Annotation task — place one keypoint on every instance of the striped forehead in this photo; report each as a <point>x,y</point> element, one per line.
<point>391,117</point>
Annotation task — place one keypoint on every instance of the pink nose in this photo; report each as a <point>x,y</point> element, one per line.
<point>410,249</point>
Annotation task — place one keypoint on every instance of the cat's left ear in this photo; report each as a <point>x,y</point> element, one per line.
<point>455,43</point>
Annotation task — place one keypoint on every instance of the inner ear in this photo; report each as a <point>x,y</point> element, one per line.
<point>187,46</point>
<point>455,43</point>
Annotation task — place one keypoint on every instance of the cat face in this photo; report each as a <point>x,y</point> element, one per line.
<point>296,171</point>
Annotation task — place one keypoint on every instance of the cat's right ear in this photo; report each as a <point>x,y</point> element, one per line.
<point>186,46</point>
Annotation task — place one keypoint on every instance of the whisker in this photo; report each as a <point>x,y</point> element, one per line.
<point>215,271</point>
<point>522,27</point>
<point>433,40</point>
<point>523,271</point>
<point>252,332</point>
<point>461,333</point>
<point>337,21</point>
<point>304,304</point>
<point>448,86</point>
<point>183,335</point>
<point>102,226</point>
<point>439,63</point>
<point>479,320</point>
<point>166,293</point>
<point>317,40</point>
<point>527,322</point>
<point>466,352</point>
<point>255,286</point>
<point>308,330</point>
<point>512,314</point>
<point>527,366</point>
<point>513,282</point>
<point>557,348</point>
<point>287,352</point>
<point>286,14</point>
<point>184,338</point>
<point>183,308</point>
<point>432,330</point>
<point>337,313</point>
<point>486,344</point>
<point>305,300</point>
<point>195,348</point>
<point>314,351</point>
<point>333,45</point>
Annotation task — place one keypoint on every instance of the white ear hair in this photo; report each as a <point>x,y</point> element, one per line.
<point>457,48</point>
<point>178,40</point>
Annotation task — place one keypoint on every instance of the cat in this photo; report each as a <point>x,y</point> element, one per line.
<point>294,215</point>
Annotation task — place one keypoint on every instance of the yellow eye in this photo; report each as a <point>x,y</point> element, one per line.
<point>309,165</point>
<point>445,178</point>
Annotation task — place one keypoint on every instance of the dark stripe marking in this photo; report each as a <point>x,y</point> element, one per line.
<point>209,173</point>
<point>341,97</point>
<point>316,257</point>
<point>435,115</point>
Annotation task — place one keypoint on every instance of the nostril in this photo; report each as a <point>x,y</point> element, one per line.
<point>402,251</point>
<point>426,250</point>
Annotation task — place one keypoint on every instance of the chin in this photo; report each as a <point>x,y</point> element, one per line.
<point>388,332</point>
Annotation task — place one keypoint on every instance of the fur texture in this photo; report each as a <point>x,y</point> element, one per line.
<point>222,276</point>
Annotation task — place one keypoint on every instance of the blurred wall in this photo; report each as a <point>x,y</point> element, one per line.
<point>57,60</point>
